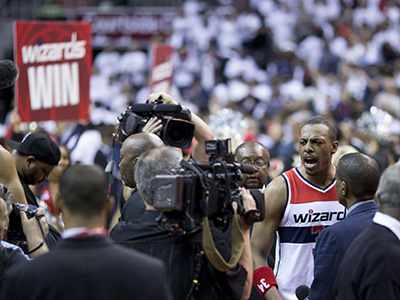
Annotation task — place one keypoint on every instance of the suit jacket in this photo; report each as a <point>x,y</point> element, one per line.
<point>331,245</point>
<point>370,269</point>
<point>88,268</point>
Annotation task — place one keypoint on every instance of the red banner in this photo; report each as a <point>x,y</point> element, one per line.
<point>161,69</point>
<point>55,65</point>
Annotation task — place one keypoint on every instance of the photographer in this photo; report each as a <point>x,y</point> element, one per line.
<point>183,253</point>
<point>32,228</point>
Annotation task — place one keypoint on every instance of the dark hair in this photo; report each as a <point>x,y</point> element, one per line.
<point>157,161</point>
<point>249,143</point>
<point>332,132</point>
<point>389,186</point>
<point>361,174</point>
<point>84,189</point>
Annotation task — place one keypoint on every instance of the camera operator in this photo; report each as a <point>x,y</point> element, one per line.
<point>183,254</point>
<point>138,143</point>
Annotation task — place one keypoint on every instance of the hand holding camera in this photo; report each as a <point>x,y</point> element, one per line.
<point>153,125</point>
<point>164,97</point>
<point>28,226</point>
<point>35,230</point>
<point>175,128</point>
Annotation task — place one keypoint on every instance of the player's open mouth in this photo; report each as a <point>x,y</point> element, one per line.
<point>310,162</point>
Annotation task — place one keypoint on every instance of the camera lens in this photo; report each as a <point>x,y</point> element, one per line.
<point>178,133</point>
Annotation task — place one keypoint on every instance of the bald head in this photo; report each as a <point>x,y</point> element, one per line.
<point>132,147</point>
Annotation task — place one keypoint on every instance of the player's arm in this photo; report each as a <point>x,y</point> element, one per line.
<point>264,233</point>
<point>9,176</point>
<point>272,294</point>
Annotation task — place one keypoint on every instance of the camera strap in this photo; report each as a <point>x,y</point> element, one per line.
<point>212,253</point>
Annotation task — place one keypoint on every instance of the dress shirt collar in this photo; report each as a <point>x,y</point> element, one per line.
<point>389,222</point>
<point>72,232</point>
<point>358,204</point>
<point>84,232</point>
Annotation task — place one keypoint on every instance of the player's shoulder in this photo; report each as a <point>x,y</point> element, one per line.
<point>278,184</point>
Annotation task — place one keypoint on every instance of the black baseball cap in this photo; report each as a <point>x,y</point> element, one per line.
<point>39,145</point>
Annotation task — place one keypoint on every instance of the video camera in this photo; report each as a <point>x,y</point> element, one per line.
<point>193,191</point>
<point>15,232</point>
<point>177,130</point>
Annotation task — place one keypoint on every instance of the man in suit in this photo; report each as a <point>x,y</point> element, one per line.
<point>371,267</point>
<point>85,264</point>
<point>357,178</point>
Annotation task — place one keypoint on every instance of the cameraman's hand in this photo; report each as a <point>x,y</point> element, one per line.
<point>34,236</point>
<point>248,204</point>
<point>167,99</point>
<point>153,125</point>
<point>248,200</point>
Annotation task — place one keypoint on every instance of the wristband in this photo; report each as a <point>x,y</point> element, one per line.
<point>264,279</point>
<point>37,248</point>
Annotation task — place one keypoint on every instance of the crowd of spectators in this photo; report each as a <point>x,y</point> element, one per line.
<point>277,64</point>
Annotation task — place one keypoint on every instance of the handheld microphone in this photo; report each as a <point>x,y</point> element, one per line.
<point>8,73</point>
<point>302,292</point>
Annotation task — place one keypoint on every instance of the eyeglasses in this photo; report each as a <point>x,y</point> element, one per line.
<point>258,163</point>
